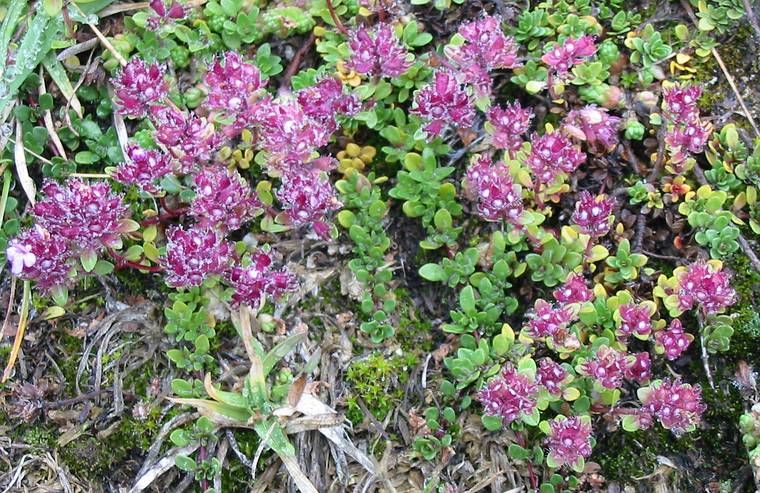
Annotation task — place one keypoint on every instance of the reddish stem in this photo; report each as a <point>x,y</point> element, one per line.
<point>335,18</point>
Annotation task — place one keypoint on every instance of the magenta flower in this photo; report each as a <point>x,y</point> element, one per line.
<point>572,52</point>
<point>678,406</point>
<point>223,199</point>
<point>681,103</point>
<point>705,286</point>
<point>634,320</point>
<point>509,395</point>
<point>485,48</point>
<point>548,321</point>
<point>166,13</point>
<point>607,367</point>
<point>593,215</point>
<point>594,126</point>
<point>639,367</point>
<point>551,376</point>
<point>552,154</point>
<point>191,140</point>
<point>325,100</point>
<point>287,133</point>
<point>444,101</point>
<point>257,281</point>
<point>569,441</point>
<point>574,290</point>
<point>686,139</point>
<point>673,341</point>
<point>508,125</point>
<point>234,86</point>
<point>36,255</point>
<point>143,168</point>
<point>498,197</point>
<point>88,215</point>
<point>138,87</point>
<point>194,254</point>
<point>377,52</point>
<point>307,197</point>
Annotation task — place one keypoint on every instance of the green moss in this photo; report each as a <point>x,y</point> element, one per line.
<point>379,382</point>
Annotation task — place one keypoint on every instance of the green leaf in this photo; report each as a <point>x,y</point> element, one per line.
<point>281,350</point>
<point>89,259</point>
<point>467,299</point>
<point>185,463</point>
<point>103,267</point>
<point>432,272</point>
<point>517,452</point>
<point>491,423</point>
<point>442,220</point>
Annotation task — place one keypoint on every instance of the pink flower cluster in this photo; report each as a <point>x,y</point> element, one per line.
<point>569,440</point>
<point>609,367</point>
<point>485,48</point>
<point>166,13</point>
<point>36,255</point>
<point>234,87</point>
<point>257,280</point>
<point>550,375</point>
<point>552,154</point>
<point>686,134</point>
<point>138,87</point>
<point>574,290</point>
<point>192,140</point>
<point>444,101</point>
<point>143,167</point>
<point>307,197</point>
<point>509,395</point>
<point>593,215</point>
<point>634,320</point>
<point>69,220</point>
<point>704,286</point>
<point>377,52</point>
<point>563,57</point>
<point>673,341</point>
<point>678,406</point>
<point>508,125</point>
<point>325,100</point>
<point>549,321</point>
<point>194,254</point>
<point>595,126</point>
<point>498,197</point>
<point>223,199</point>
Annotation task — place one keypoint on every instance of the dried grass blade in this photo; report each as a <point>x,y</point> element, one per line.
<point>21,170</point>
<point>23,319</point>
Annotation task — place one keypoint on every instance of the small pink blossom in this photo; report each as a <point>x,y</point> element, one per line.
<point>191,140</point>
<point>307,198</point>
<point>595,126</point>
<point>166,13</point>
<point>551,376</point>
<point>377,52</point>
<point>144,167</point>
<point>705,286</point>
<point>678,406</point>
<point>548,321</point>
<point>639,367</point>
<point>286,132</point>
<point>574,51</point>
<point>593,214</point>
<point>36,255</point>
<point>485,48</point>
<point>194,254</point>
<point>508,125</point>
<point>634,320</point>
<point>498,197</point>
<point>569,441</point>
<point>681,103</point>
<point>673,341</point>
<point>686,139</point>
<point>607,367</point>
<point>552,154</point>
<point>574,290</point>
<point>88,215</point>
<point>325,100</point>
<point>234,87</point>
<point>138,87</point>
<point>258,280</point>
<point>442,102</point>
<point>509,395</point>
<point>223,199</point>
